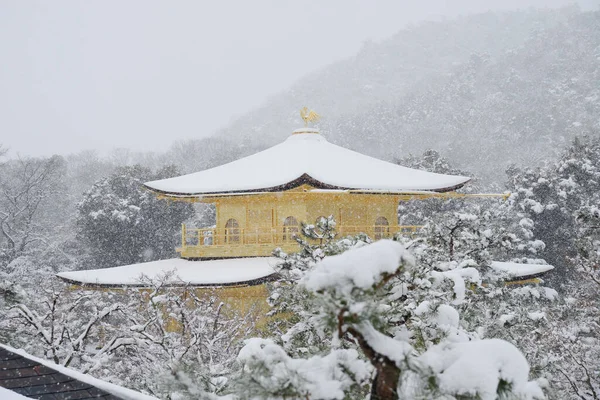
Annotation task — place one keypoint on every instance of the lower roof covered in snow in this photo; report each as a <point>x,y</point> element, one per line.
<point>178,271</point>
<point>225,272</point>
<point>518,270</point>
<point>306,157</point>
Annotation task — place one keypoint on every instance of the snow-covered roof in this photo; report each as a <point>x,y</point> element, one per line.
<point>306,157</point>
<point>518,270</point>
<point>177,271</point>
<point>232,271</point>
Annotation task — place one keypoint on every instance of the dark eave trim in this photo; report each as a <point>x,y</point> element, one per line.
<point>302,180</point>
<point>526,277</point>
<point>253,282</point>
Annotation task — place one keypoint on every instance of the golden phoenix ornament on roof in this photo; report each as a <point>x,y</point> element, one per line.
<point>309,116</point>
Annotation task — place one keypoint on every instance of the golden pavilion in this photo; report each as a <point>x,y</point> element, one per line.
<point>262,200</point>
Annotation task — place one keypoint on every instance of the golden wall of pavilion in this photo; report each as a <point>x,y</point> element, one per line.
<point>255,224</point>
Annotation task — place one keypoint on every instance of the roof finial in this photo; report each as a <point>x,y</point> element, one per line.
<point>309,116</point>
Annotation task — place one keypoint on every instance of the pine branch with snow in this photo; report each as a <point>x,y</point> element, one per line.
<point>402,320</point>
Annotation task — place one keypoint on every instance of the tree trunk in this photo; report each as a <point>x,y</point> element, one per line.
<point>385,384</point>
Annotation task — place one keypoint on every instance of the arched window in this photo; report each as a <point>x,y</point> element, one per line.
<point>232,231</point>
<point>382,228</point>
<point>290,228</point>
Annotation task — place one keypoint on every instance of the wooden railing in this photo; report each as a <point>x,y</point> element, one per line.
<point>192,237</point>
<point>377,232</point>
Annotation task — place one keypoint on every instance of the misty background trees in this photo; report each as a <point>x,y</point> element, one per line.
<point>121,223</point>
<point>484,90</point>
<point>30,203</point>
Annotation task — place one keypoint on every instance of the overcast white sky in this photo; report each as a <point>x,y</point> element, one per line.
<point>78,75</point>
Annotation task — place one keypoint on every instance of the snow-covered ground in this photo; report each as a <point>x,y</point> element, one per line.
<point>178,270</point>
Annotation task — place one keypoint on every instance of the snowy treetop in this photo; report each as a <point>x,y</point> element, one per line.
<point>362,268</point>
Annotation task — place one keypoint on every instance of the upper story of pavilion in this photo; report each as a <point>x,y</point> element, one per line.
<point>262,199</point>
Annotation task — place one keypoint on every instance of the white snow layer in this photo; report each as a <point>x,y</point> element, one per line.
<point>395,350</point>
<point>323,377</point>
<point>179,270</point>
<point>325,162</point>
<point>362,267</point>
<point>6,394</point>
<point>341,269</point>
<point>477,367</point>
<point>119,391</point>
<point>517,270</point>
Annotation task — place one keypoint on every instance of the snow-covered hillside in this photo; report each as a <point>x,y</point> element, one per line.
<point>481,89</point>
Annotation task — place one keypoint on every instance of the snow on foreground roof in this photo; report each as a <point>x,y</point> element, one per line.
<point>306,158</point>
<point>6,394</point>
<point>517,270</point>
<point>199,273</point>
<point>118,391</point>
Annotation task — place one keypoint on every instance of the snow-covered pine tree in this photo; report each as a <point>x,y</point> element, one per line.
<point>574,324</point>
<point>473,238</point>
<point>292,324</point>
<point>552,196</point>
<point>375,299</point>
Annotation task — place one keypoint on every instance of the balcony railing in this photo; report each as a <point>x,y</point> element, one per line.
<point>377,231</point>
<point>206,237</point>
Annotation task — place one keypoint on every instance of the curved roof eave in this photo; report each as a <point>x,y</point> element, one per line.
<point>301,180</point>
<point>249,282</point>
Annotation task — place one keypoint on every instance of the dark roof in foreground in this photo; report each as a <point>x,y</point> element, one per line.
<point>36,381</point>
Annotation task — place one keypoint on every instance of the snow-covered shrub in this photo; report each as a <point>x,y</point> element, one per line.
<point>164,340</point>
<point>70,327</point>
<point>186,338</point>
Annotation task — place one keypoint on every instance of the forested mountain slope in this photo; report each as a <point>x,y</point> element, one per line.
<point>485,91</point>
